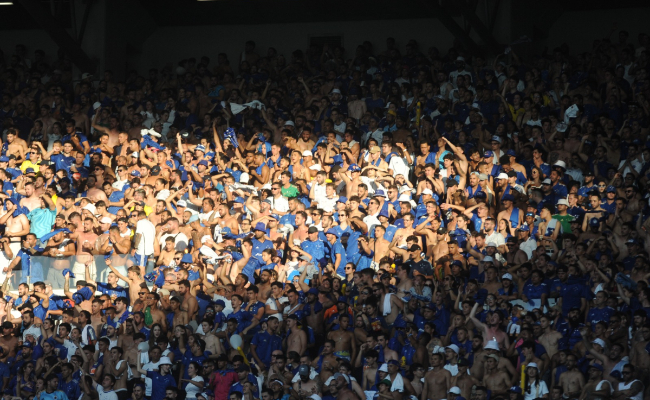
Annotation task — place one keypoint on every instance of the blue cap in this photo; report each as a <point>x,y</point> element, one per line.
<point>240,200</point>
<point>312,291</point>
<point>67,271</point>
<point>457,262</point>
<point>524,228</point>
<point>260,227</point>
<point>29,345</point>
<point>29,170</point>
<point>135,173</point>
<point>430,306</point>
<point>354,168</point>
<point>203,162</point>
<point>342,199</point>
<point>187,258</point>
<point>511,152</point>
<point>379,193</point>
<point>200,148</point>
<point>220,303</point>
<point>480,195</point>
<point>392,362</point>
<point>594,222</point>
<point>332,231</point>
<point>193,218</point>
<point>383,213</point>
<point>488,154</point>
<point>4,159</point>
<point>611,189</point>
<point>508,197</point>
<point>275,216</point>
<point>515,389</point>
<point>342,299</point>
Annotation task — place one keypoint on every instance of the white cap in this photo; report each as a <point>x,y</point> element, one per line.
<point>488,259</point>
<point>599,342</point>
<point>506,276</point>
<point>492,345</point>
<point>383,368</point>
<point>96,105</point>
<point>315,167</point>
<point>90,207</point>
<point>315,397</point>
<point>495,138</point>
<point>181,203</point>
<point>106,220</point>
<point>491,244</point>
<point>244,177</point>
<point>427,191</point>
<point>454,390</point>
<point>547,182</point>
<point>459,58</point>
<point>563,202</point>
<point>153,133</point>
<point>290,123</point>
<point>453,348</point>
<point>135,154</point>
<point>502,175</point>
<point>307,153</point>
<point>336,91</point>
<point>404,198</point>
<point>164,361</point>
<point>560,163</point>
<point>532,365</point>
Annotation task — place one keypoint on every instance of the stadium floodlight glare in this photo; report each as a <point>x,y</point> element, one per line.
<point>6,3</point>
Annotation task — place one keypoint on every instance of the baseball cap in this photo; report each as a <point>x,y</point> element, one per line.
<point>488,154</point>
<point>374,149</point>
<point>563,202</point>
<point>354,168</point>
<point>491,244</point>
<point>453,348</point>
<point>495,138</point>
<point>181,203</point>
<point>342,199</point>
<point>547,182</point>
<point>303,370</point>
<point>307,153</point>
<point>502,175</point>
<point>260,226</point>
<point>454,390</point>
<point>506,276</point>
<point>611,189</point>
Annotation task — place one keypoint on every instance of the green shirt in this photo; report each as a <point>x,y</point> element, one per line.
<point>289,192</point>
<point>565,220</point>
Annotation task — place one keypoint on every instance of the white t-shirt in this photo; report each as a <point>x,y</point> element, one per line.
<point>536,391</point>
<point>280,204</point>
<point>192,390</point>
<point>145,228</point>
<point>180,240</point>
<point>399,166</point>
<point>110,395</point>
<point>150,366</point>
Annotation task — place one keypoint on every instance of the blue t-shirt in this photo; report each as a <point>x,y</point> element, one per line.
<point>159,384</point>
<point>265,344</point>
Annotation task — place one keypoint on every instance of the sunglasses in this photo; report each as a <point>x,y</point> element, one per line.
<point>142,293</point>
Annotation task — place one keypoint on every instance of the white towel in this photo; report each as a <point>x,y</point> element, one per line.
<point>387,306</point>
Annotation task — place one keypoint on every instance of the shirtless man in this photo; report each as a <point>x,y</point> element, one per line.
<point>394,306</point>
<point>301,232</point>
<point>549,339</point>
<point>15,145</point>
<point>405,283</point>
<point>572,380</point>
<point>32,201</point>
<point>407,231</point>
<point>167,252</point>
<point>492,329</point>
<point>370,368</point>
<point>86,240</point>
<point>180,317</point>
<point>305,142</point>
<point>638,355</point>
<point>297,339</point>
<point>438,380</point>
<point>16,227</point>
<point>464,381</point>
<point>112,130</point>
<point>353,181</point>
<point>379,245</point>
<point>132,278</point>
<point>495,380</point>
<point>326,362</point>
<point>344,340</point>
<point>189,301</point>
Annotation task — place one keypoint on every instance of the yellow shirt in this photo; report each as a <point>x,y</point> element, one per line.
<point>28,164</point>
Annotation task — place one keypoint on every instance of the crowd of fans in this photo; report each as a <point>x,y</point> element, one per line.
<point>387,224</point>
